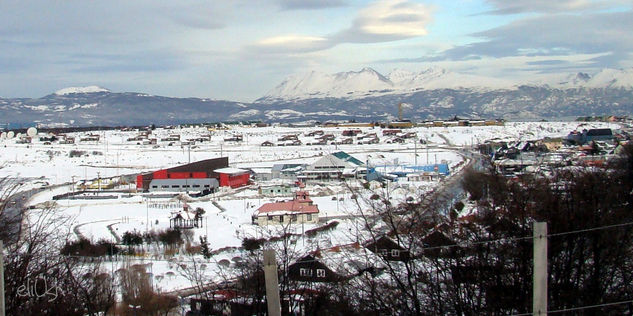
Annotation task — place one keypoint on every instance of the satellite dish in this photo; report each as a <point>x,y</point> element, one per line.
<point>3,135</point>
<point>10,134</point>
<point>18,135</point>
<point>31,131</point>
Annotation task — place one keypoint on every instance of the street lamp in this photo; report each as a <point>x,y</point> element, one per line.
<point>98,181</point>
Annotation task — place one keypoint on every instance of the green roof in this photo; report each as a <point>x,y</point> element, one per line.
<point>346,157</point>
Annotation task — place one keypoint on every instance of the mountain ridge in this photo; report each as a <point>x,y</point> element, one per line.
<point>354,84</point>
<point>432,94</point>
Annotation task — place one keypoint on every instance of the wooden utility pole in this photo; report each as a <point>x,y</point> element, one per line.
<point>1,278</point>
<point>539,288</point>
<point>272,283</point>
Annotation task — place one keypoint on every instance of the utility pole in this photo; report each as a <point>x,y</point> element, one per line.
<point>1,278</point>
<point>539,287</point>
<point>272,283</point>
<point>415,146</point>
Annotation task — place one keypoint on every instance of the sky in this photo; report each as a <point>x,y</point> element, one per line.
<point>240,49</point>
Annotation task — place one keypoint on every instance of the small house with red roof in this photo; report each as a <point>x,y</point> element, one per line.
<point>300,210</point>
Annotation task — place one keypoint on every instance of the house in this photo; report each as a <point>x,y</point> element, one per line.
<point>310,269</point>
<point>335,264</point>
<point>275,190</point>
<point>300,210</point>
<point>315,133</point>
<point>437,244</point>
<point>351,132</point>
<point>290,137</point>
<point>287,171</point>
<point>171,138</point>
<point>388,132</point>
<point>234,138</point>
<point>330,167</point>
<point>261,174</point>
<point>67,140</point>
<point>587,136</point>
<point>599,134</point>
<point>90,138</point>
<point>346,141</point>
<point>373,140</point>
<point>233,177</point>
<point>267,144</point>
<point>388,249</point>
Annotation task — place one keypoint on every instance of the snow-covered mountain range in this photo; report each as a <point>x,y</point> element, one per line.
<point>368,82</point>
<point>364,95</point>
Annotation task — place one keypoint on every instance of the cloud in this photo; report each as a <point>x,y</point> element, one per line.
<point>382,21</point>
<point>310,4</point>
<point>387,20</point>
<point>292,44</point>
<point>553,35</point>
<point>543,6</point>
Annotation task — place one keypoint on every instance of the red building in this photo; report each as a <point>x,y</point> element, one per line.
<point>192,176</point>
<point>233,177</point>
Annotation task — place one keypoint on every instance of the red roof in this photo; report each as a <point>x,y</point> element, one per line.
<point>289,206</point>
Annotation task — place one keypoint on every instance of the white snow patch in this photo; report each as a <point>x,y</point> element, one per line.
<point>88,89</point>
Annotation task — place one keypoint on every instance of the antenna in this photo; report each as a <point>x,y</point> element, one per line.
<point>31,131</point>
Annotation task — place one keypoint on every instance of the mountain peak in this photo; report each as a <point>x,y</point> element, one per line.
<point>87,89</point>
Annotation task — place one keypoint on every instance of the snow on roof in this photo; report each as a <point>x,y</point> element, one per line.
<point>280,208</point>
<point>261,170</point>
<point>230,170</point>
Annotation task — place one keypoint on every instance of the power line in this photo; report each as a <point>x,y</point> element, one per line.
<point>579,308</point>
<point>591,229</point>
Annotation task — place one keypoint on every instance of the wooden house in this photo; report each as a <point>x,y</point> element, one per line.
<point>388,249</point>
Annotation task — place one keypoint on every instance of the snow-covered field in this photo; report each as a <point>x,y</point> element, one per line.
<point>38,164</point>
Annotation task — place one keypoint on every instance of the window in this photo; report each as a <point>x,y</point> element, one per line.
<point>321,273</point>
<point>281,218</point>
<point>175,186</point>
<point>185,186</point>
<point>206,185</point>
<point>164,186</point>
<point>294,218</point>
<point>305,272</point>
<point>270,218</point>
<point>384,252</point>
<point>395,253</point>
<point>196,185</point>
<point>308,217</point>
<point>154,187</point>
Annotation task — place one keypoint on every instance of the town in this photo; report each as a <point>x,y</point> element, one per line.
<point>187,207</point>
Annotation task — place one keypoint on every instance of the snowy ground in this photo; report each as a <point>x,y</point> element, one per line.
<point>37,164</point>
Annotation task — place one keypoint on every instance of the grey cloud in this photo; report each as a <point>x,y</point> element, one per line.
<point>310,4</point>
<point>551,62</point>
<point>554,35</point>
<point>545,6</point>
